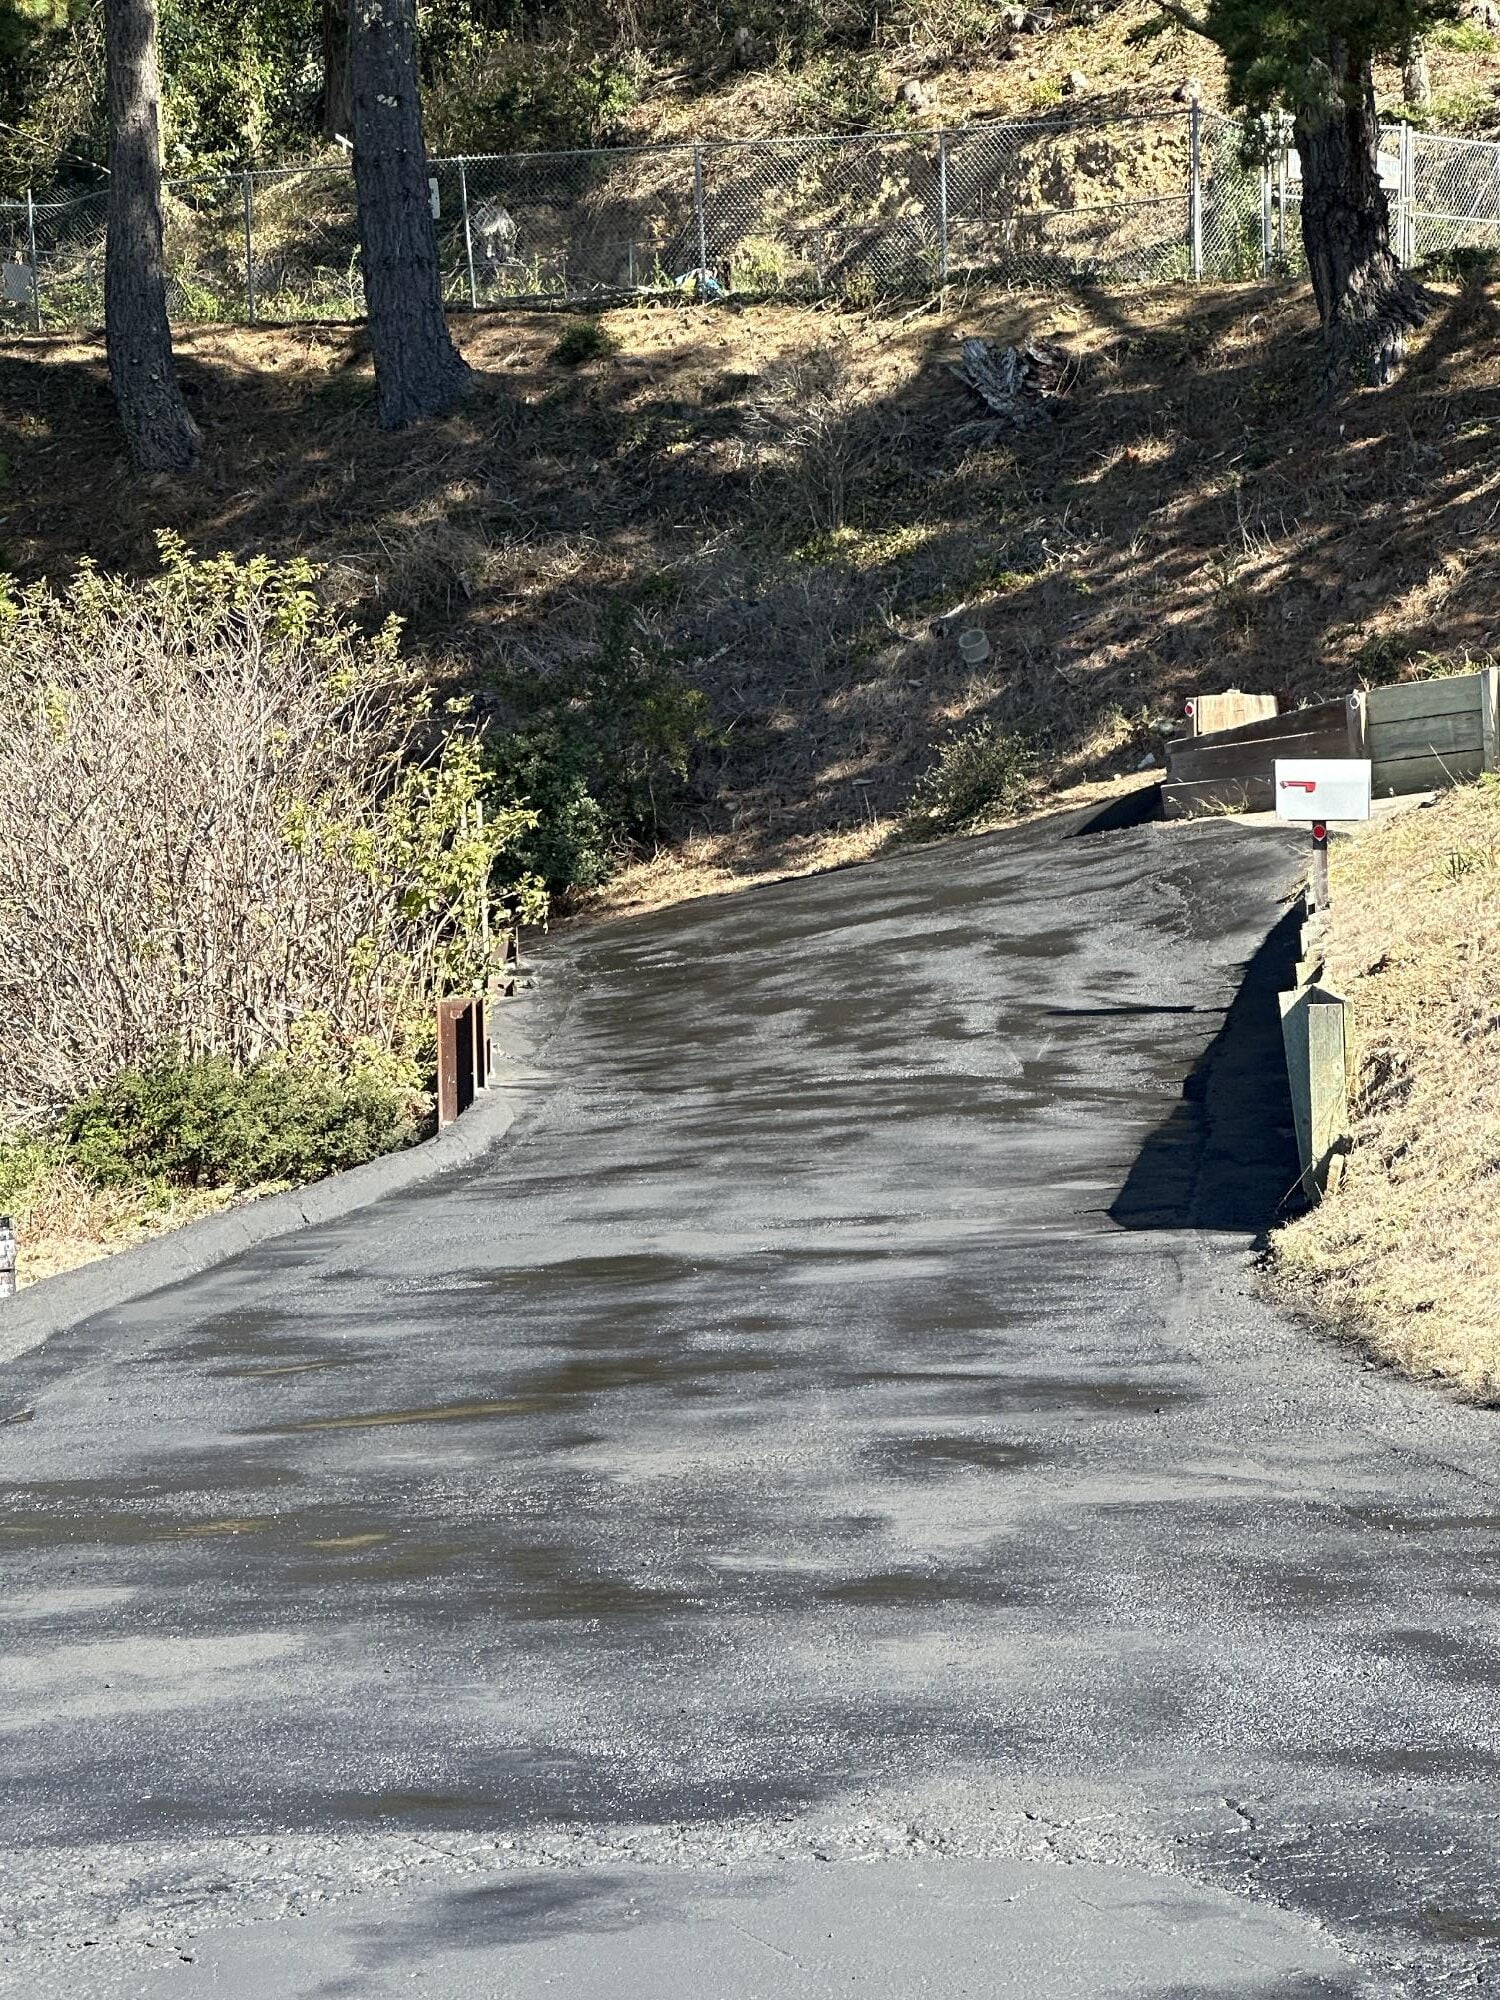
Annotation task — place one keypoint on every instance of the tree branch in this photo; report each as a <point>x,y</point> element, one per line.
<point>1185,17</point>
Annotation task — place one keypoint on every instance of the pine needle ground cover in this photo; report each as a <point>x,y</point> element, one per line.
<point>1406,1254</point>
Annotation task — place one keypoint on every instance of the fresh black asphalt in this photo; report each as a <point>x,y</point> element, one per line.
<point>818,1509</point>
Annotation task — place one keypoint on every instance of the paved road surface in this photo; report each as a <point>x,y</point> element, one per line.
<point>820,1513</point>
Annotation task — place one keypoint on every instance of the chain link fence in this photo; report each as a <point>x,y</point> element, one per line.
<point>1116,201</point>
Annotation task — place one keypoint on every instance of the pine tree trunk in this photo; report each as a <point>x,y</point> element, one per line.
<point>161,435</point>
<point>338,100</point>
<point>1366,302</point>
<point>1416,80</point>
<point>418,371</point>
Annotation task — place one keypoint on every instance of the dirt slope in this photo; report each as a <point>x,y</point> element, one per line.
<point>1192,518</point>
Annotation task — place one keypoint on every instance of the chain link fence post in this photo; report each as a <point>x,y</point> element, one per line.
<point>463,197</point>
<point>1283,149</point>
<point>942,209</point>
<point>36,276</point>
<point>1265,216</point>
<point>1195,189</point>
<point>247,207</point>
<point>1404,177</point>
<point>700,213</point>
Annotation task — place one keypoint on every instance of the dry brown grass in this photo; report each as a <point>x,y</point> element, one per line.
<point>1195,518</point>
<point>63,1221</point>
<point>973,68</point>
<point>1407,1253</point>
<point>705,866</point>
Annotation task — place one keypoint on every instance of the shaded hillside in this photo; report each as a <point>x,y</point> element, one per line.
<point>787,503</point>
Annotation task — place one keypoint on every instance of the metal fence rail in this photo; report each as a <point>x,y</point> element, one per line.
<point>1117,201</point>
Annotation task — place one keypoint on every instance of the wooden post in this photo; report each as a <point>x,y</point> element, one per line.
<point>1314,1028</point>
<point>1489,716</point>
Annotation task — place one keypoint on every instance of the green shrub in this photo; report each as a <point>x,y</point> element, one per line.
<point>495,93</point>
<point>599,752</point>
<point>1468,37</point>
<point>978,775</point>
<point>206,1124</point>
<point>583,340</point>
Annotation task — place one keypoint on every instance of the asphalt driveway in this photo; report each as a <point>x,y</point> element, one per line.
<point>819,1510</point>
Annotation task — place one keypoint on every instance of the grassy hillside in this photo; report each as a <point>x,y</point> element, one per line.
<point>967,64</point>
<point>1407,1253</point>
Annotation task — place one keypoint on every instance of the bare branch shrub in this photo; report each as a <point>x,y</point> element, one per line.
<point>220,828</point>
<point>815,438</point>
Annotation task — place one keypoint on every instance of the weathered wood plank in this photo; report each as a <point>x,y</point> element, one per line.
<point>1296,722</point>
<point>1424,774</point>
<point>1424,735</point>
<point>1412,698</point>
<point>1211,757</point>
<point>1209,713</point>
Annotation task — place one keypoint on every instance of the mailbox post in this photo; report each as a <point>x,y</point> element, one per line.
<point>1311,791</point>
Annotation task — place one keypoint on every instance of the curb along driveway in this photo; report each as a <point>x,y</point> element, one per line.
<point>817,1509</point>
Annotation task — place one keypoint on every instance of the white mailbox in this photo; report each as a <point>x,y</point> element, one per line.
<point>1322,788</point>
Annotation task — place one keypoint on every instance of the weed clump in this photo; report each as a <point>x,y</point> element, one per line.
<point>582,341</point>
<point>981,774</point>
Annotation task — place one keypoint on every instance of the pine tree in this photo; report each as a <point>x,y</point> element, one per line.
<point>161,435</point>
<point>1315,59</point>
<point>418,370</point>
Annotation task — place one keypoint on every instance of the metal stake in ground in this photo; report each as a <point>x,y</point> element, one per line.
<point>1319,894</point>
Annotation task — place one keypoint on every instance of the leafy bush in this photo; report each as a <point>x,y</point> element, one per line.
<point>599,752</point>
<point>206,1124</point>
<point>1468,37</point>
<point>226,812</point>
<point>583,340</point>
<point>494,93</point>
<point>979,774</point>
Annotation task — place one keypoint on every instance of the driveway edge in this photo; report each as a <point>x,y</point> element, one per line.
<point>35,1314</point>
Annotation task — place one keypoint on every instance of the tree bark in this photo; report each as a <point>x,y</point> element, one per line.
<point>418,371</point>
<point>1416,80</point>
<point>162,437</point>
<point>338,98</point>
<point>1366,302</point>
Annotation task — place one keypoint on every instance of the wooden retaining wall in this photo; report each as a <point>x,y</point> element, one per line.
<point>1424,735</point>
<point>1420,736</point>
